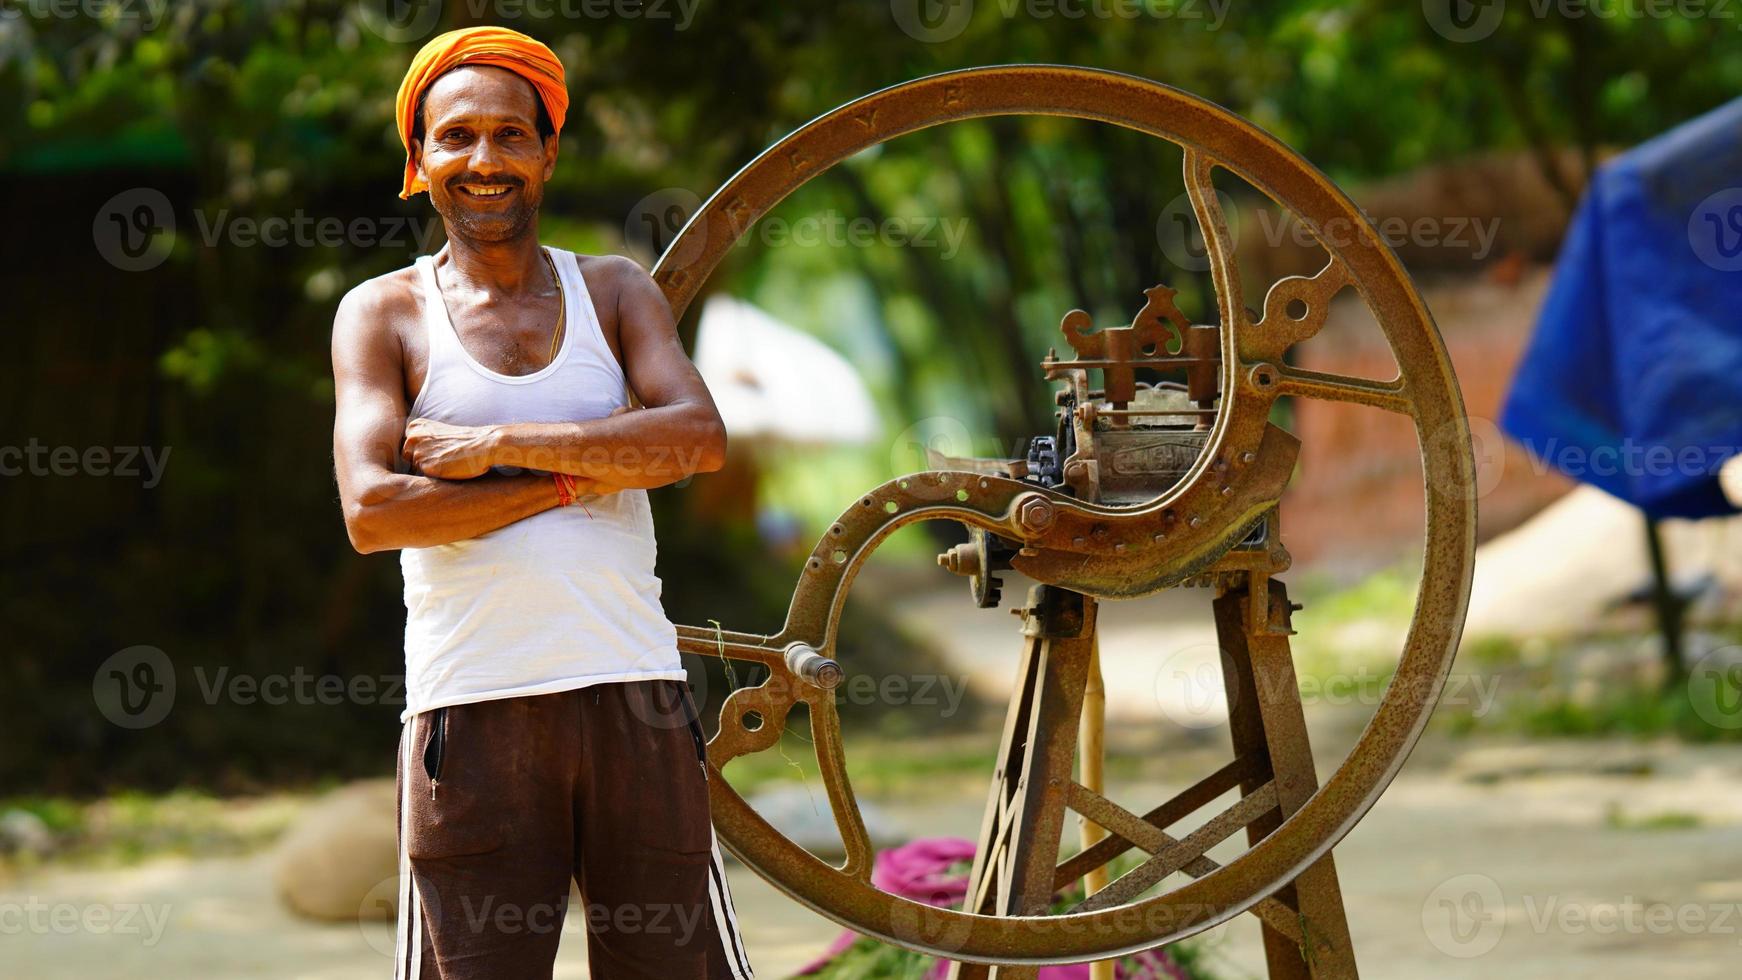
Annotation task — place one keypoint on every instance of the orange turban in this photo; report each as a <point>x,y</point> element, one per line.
<point>495,46</point>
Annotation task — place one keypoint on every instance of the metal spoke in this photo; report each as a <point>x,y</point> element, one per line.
<point>1281,328</point>
<point>706,641</point>
<point>768,704</point>
<point>1218,243</point>
<point>826,732</point>
<point>1389,395</point>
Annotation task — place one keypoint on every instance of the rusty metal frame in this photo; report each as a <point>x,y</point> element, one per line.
<point>1099,551</point>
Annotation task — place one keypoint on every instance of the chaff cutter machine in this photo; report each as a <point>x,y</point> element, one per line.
<point>1143,487</point>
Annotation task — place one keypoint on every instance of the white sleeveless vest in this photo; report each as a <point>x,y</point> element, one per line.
<point>560,600</point>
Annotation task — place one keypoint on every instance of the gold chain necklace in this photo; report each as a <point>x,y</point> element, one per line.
<point>562,306</point>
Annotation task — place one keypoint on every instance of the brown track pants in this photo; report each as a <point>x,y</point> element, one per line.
<point>501,802</point>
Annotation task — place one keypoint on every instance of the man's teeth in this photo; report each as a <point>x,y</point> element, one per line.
<point>484,191</point>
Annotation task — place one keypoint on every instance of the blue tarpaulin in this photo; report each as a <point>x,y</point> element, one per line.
<point>1633,380</point>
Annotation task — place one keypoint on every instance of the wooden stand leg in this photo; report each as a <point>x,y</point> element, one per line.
<point>1268,724</point>
<point>1018,846</point>
<point>1091,755</point>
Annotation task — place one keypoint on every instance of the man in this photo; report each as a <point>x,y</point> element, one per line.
<point>547,730</point>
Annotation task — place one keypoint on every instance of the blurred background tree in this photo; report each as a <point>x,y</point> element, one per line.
<point>240,112</point>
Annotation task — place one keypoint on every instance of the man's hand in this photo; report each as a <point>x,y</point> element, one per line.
<point>385,508</point>
<point>462,452</point>
<point>447,452</point>
<point>675,434</point>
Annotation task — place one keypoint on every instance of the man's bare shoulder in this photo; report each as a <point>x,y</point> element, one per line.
<point>611,276</point>
<point>386,298</point>
<point>374,310</point>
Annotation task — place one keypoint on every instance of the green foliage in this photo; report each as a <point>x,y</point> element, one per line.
<point>868,959</point>
<point>1537,700</point>
<point>1618,819</point>
<point>278,108</point>
<point>1491,651</point>
<point>1638,711</point>
<point>1387,595</point>
<point>130,827</point>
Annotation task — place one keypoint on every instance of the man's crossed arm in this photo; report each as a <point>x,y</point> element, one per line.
<point>449,498</point>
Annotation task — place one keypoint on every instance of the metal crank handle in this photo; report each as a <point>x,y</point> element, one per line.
<point>812,667</point>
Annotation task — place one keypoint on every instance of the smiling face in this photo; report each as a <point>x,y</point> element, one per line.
<point>481,153</point>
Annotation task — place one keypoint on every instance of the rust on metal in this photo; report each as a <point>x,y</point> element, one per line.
<point>1141,487</point>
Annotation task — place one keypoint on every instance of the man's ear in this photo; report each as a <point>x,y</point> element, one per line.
<point>551,144</point>
<point>417,160</point>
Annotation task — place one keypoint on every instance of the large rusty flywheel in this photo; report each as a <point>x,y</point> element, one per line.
<point>1090,532</point>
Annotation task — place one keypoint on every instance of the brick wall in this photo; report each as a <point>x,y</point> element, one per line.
<point>1357,498</point>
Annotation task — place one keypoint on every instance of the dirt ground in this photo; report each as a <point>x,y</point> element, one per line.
<point>1485,858</point>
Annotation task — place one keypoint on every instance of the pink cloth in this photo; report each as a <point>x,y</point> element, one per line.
<point>920,871</point>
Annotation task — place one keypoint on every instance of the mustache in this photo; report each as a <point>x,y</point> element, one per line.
<point>485,181</point>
